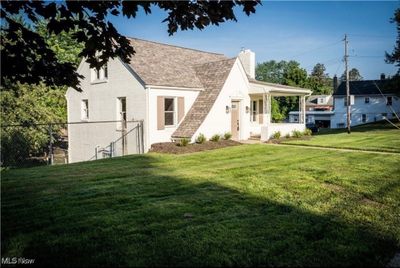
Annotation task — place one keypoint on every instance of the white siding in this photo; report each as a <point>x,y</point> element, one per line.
<point>373,110</point>
<point>102,98</point>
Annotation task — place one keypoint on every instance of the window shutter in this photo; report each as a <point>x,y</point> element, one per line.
<point>181,108</point>
<point>260,112</point>
<point>160,113</point>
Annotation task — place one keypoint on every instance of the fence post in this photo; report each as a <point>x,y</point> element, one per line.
<point>51,156</point>
<point>142,136</point>
<point>95,152</point>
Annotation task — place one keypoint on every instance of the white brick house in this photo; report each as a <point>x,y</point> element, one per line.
<point>178,93</point>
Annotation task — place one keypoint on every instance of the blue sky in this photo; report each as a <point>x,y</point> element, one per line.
<point>308,32</point>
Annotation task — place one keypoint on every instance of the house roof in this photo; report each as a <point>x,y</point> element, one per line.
<point>365,87</point>
<point>212,75</point>
<point>313,100</point>
<point>167,65</point>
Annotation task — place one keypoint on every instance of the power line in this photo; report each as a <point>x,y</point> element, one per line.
<point>314,49</point>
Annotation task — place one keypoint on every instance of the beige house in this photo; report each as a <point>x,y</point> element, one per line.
<point>178,93</point>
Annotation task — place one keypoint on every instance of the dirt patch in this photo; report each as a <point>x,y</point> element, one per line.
<point>172,148</point>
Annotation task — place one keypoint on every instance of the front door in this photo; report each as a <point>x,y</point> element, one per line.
<point>235,120</point>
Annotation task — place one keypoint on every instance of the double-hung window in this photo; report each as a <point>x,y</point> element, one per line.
<point>253,111</point>
<point>99,75</point>
<point>169,112</point>
<point>85,109</point>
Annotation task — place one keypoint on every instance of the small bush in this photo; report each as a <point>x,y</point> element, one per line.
<point>227,136</point>
<point>307,132</point>
<point>287,136</point>
<point>183,142</point>
<point>297,133</point>
<point>276,135</point>
<point>201,139</point>
<point>215,138</point>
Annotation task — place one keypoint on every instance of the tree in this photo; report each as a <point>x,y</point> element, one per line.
<point>319,81</point>
<point>354,75</point>
<point>27,105</point>
<point>285,73</point>
<point>27,57</point>
<point>394,57</point>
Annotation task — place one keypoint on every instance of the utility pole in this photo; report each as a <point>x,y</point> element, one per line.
<point>346,59</point>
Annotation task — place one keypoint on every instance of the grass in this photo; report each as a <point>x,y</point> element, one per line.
<point>371,137</point>
<point>239,206</point>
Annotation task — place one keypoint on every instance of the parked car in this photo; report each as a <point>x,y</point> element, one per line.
<point>314,128</point>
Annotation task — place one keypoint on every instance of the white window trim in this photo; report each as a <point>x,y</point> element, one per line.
<point>85,110</point>
<point>102,79</point>
<point>252,111</point>
<point>175,114</point>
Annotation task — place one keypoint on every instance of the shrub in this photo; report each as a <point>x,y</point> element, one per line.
<point>201,139</point>
<point>183,142</point>
<point>276,135</point>
<point>215,138</point>
<point>287,136</point>
<point>297,133</point>
<point>227,136</point>
<point>307,132</point>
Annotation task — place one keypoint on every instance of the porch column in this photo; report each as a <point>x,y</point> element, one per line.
<point>302,109</point>
<point>267,108</point>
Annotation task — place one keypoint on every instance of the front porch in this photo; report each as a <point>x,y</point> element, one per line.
<point>261,94</point>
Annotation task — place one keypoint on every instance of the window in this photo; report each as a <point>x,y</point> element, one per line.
<point>99,75</point>
<point>389,101</point>
<point>366,100</point>
<point>169,111</point>
<point>253,111</point>
<point>85,110</point>
<point>351,100</point>
<point>364,118</point>
<point>121,112</point>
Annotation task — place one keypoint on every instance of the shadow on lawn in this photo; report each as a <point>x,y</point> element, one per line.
<point>152,218</point>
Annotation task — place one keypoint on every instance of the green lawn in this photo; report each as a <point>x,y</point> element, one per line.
<point>372,137</point>
<point>239,206</point>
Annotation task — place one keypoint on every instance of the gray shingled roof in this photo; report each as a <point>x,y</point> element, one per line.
<point>365,87</point>
<point>212,76</point>
<point>167,65</point>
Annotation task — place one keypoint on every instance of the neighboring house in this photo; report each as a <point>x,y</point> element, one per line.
<point>318,111</point>
<point>178,93</point>
<point>368,104</point>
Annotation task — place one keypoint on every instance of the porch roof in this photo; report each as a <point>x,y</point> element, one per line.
<point>260,87</point>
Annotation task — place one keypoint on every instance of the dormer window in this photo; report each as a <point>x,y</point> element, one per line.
<point>99,75</point>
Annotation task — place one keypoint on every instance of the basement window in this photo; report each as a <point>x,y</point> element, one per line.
<point>364,118</point>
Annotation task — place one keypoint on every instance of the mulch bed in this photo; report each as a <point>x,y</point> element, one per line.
<point>172,148</point>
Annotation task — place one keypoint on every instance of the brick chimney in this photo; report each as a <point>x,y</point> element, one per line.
<point>335,83</point>
<point>248,59</point>
<point>383,77</point>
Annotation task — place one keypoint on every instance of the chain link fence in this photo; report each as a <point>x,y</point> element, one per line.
<point>27,144</point>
